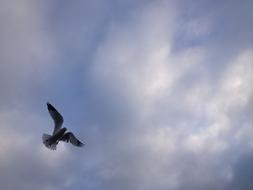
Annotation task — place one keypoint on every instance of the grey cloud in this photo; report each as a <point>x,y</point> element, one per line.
<point>152,109</point>
<point>224,28</point>
<point>242,172</point>
<point>200,110</point>
<point>26,52</point>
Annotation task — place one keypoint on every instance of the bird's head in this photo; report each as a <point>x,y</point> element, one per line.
<point>64,129</point>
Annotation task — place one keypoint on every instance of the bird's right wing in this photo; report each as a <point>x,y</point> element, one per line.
<point>58,119</point>
<point>70,137</point>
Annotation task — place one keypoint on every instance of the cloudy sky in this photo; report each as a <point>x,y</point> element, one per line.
<point>160,90</point>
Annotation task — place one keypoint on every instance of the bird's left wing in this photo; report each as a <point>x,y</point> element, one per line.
<point>57,117</point>
<point>70,137</point>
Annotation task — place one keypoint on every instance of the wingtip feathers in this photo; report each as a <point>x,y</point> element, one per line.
<point>50,107</point>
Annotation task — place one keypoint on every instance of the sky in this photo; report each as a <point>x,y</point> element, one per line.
<point>159,90</point>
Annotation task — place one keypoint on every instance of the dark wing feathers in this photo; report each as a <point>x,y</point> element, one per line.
<point>58,121</point>
<point>70,137</point>
<point>57,117</point>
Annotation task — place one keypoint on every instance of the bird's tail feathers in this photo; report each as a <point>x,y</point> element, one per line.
<point>47,142</point>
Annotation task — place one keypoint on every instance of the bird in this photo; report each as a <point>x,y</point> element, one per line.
<point>60,133</point>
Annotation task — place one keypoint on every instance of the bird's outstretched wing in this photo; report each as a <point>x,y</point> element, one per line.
<point>69,137</point>
<point>58,119</point>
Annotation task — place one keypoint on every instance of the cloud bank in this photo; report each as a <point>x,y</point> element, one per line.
<point>161,91</point>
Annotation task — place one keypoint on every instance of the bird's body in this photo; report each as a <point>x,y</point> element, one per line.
<point>59,133</point>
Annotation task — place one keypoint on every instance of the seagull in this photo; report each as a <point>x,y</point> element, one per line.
<point>60,133</point>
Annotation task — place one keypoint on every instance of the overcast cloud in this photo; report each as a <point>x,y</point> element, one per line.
<point>160,91</point>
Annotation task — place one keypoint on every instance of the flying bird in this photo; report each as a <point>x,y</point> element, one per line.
<point>60,133</point>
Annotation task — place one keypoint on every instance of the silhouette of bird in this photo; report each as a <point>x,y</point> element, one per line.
<point>60,133</point>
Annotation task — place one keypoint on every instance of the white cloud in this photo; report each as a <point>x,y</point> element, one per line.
<point>164,119</point>
<point>185,119</point>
